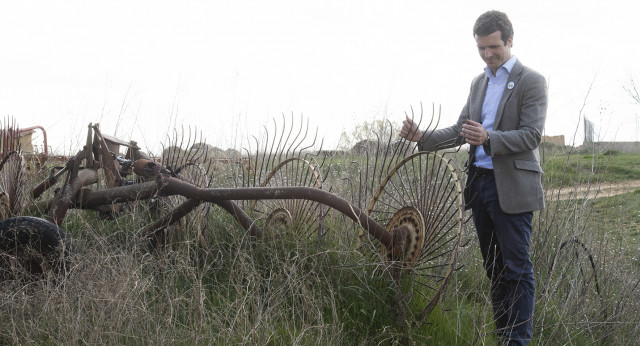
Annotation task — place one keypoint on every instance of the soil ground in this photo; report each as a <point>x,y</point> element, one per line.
<point>596,190</point>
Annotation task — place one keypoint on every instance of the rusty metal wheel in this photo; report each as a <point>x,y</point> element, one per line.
<point>302,216</point>
<point>33,246</point>
<point>412,221</point>
<point>572,280</point>
<point>423,194</point>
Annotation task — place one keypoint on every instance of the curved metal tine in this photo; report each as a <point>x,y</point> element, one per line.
<point>15,145</point>
<point>12,168</point>
<point>168,151</point>
<point>12,182</point>
<point>276,155</point>
<point>171,157</point>
<point>379,161</point>
<point>174,152</point>
<point>8,131</point>
<point>272,167</point>
<point>433,110</point>
<point>431,253</point>
<point>294,172</point>
<point>271,157</point>
<point>250,173</point>
<point>368,162</point>
<point>579,259</point>
<point>434,187</point>
<point>291,146</point>
<point>354,194</point>
<point>363,194</point>
<point>263,162</point>
<point>185,155</point>
<point>198,157</point>
<point>389,154</point>
<point>409,173</point>
<point>448,142</point>
<point>297,141</point>
<point>194,153</point>
<point>280,150</point>
<point>440,223</point>
<point>179,151</point>
<point>287,141</point>
<point>377,166</point>
<point>313,210</point>
<point>178,155</point>
<point>396,190</point>
<point>313,153</point>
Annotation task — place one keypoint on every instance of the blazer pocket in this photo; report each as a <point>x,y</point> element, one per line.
<point>528,165</point>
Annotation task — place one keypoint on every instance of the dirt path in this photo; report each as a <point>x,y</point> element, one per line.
<point>596,190</point>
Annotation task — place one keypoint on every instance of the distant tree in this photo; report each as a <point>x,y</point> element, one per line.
<point>369,131</point>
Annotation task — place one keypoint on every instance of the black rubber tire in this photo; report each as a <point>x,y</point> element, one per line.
<point>38,245</point>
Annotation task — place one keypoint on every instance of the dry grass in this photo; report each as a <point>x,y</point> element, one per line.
<point>237,290</point>
<point>229,288</point>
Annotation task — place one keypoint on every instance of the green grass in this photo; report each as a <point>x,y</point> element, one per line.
<point>619,217</point>
<point>568,170</point>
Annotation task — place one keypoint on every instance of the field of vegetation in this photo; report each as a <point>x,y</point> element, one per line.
<point>215,284</point>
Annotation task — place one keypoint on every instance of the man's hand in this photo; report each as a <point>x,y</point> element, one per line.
<point>410,130</point>
<point>474,133</point>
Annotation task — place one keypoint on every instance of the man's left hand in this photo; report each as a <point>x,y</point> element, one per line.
<point>474,133</point>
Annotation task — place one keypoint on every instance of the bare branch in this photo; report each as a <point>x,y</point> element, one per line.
<point>632,90</point>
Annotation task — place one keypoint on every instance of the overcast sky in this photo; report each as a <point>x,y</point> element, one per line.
<point>139,67</point>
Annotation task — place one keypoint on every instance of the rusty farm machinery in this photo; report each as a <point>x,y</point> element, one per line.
<point>406,204</point>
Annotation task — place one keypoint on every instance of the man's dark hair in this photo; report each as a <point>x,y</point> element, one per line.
<point>492,21</point>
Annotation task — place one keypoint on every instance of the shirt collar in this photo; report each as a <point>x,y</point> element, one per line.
<point>508,65</point>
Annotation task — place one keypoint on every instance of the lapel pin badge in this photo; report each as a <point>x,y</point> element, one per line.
<point>511,85</point>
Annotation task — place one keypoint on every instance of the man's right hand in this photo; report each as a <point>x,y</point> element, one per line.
<point>410,130</point>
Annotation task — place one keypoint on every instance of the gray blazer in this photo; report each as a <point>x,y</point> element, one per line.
<point>514,141</point>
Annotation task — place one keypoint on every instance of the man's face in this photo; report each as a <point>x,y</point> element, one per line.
<point>493,50</point>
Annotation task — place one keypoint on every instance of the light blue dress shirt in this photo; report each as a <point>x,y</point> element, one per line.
<point>495,88</point>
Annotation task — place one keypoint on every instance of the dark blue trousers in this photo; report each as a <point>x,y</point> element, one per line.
<point>504,242</point>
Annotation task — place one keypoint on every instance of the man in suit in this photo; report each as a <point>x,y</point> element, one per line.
<point>502,122</point>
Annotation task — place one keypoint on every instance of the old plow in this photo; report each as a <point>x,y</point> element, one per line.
<point>406,204</point>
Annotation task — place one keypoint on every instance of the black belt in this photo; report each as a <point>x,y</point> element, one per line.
<point>482,172</point>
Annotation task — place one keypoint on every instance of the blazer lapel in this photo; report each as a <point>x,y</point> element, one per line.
<point>481,90</point>
<point>512,82</point>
